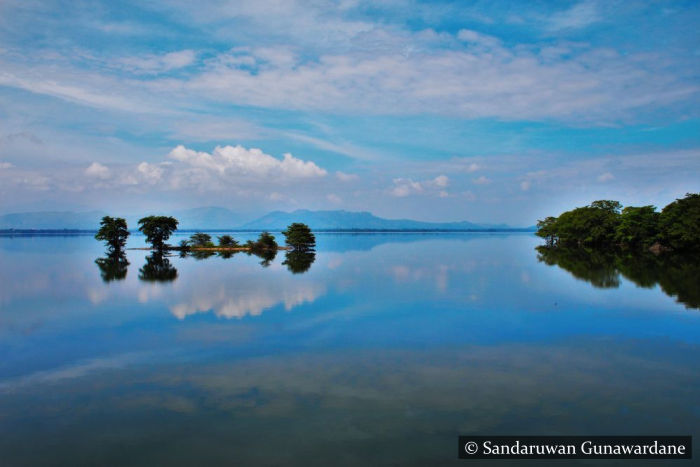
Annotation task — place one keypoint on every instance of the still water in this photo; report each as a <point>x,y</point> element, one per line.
<point>380,350</point>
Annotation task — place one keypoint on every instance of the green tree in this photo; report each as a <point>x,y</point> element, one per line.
<point>265,241</point>
<point>113,232</point>
<point>227,241</point>
<point>201,240</point>
<point>591,226</point>
<point>638,227</point>
<point>607,205</point>
<point>679,223</point>
<point>547,229</point>
<point>299,237</point>
<point>158,229</point>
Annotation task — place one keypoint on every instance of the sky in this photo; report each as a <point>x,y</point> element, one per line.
<point>439,111</point>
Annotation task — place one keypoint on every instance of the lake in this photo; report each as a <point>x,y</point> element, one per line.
<point>380,350</point>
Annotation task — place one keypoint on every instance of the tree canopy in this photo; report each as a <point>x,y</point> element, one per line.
<point>113,232</point>
<point>157,229</point>
<point>679,223</point>
<point>299,237</point>
<point>604,224</point>
<point>201,240</point>
<point>227,241</point>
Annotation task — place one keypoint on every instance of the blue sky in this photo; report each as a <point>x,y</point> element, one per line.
<point>481,111</point>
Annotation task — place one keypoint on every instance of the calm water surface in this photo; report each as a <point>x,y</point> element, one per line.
<point>381,353</point>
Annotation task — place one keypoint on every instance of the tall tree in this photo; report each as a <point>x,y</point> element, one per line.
<point>158,229</point>
<point>113,232</point>
<point>299,237</point>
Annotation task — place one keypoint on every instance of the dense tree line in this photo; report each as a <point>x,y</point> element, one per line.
<point>605,224</point>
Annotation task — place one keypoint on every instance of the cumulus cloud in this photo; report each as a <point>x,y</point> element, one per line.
<point>525,185</point>
<point>241,161</point>
<point>98,170</point>
<point>405,186</point>
<point>226,168</point>
<point>482,180</point>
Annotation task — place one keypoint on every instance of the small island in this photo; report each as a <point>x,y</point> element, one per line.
<point>158,229</point>
<point>300,245</point>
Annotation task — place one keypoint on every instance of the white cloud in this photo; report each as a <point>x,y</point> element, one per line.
<point>5,165</point>
<point>468,35</point>
<point>345,177</point>
<point>239,161</point>
<point>525,185</point>
<point>151,173</point>
<point>157,63</point>
<point>482,180</point>
<point>405,186</point>
<point>98,170</point>
<point>605,177</point>
<point>441,181</point>
<point>578,16</point>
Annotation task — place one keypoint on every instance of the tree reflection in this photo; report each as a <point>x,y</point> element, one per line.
<point>157,269</point>
<point>299,261</point>
<point>201,254</point>
<point>267,256</point>
<point>677,275</point>
<point>227,254</point>
<point>113,267</point>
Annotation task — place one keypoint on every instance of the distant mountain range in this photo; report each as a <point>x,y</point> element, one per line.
<point>218,218</point>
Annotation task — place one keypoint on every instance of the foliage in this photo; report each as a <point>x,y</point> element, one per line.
<point>113,232</point>
<point>113,267</point>
<point>299,237</point>
<point>299,261</point>
<point>201,240</point>
<point>184,245</point>
<point>227,241</point>
<point>547,229</point>
<point>265,241</point>
<point>157,229</point>
<point>157,269</point>
<point>679,223</point>
<point>638,226</point>
<point>603,224</point>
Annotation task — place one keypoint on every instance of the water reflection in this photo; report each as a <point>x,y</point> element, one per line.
<point>299,261</point>
<point>157,269</point>
<point>201,254</point>
<point>677,275</point>
<point>113,267</point>
<point>267,256</point>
